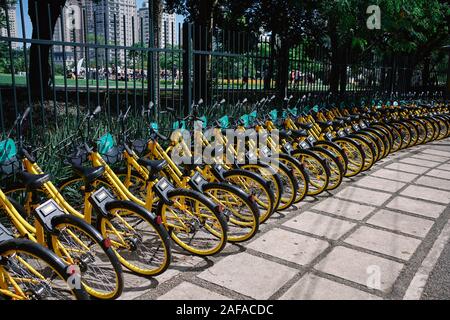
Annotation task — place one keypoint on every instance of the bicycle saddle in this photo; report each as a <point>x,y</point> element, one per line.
<point>154,166</point>
<point>285,134</point>
<point>345,119</point>
<point>338,122</point>
<point>355,116</point>
<point>33,181</point>
<point>324,124</point>
<point>89,174</point>
<point>305,126</point>
<point>299,133</point>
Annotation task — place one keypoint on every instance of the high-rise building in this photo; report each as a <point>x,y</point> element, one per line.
<point>116,22</point>
<point>12,26</point>
<point>167,28</point>
<point>167,34</point>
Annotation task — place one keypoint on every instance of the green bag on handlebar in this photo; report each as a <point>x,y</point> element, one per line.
<point>176,125</point>
<point>204,121</point>
<point>224,122</point>
<point>245,119</point>
<point>154,126</point>
<point>273,115</point>
<point>105,143</point>
<point>7,150</point>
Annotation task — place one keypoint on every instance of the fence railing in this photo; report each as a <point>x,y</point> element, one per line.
<point>81,56</point>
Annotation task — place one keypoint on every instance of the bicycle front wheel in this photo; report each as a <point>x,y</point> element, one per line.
<point>77,242</point>
<point>31,272</point>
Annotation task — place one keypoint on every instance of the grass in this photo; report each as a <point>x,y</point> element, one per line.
<point>221,84</point>
<point>6,79</point>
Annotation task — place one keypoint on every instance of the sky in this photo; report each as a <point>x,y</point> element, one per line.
<point>28,28</point>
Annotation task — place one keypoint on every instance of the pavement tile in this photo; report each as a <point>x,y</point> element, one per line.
<point>320,225</point>
<point>426,193</point>
<point>344,208</point>
<point>440,153</point>
<point>434,182</point>
<point>406,167</point>
<point>360,267</point>
<point>401,222</point>
<point>249,275</point>
<point>385,242</point>
<point>394,175</point>
<point>189,291</point>
<point>312,287</point>
<point>363,195</point>
<point>380,184</point>
<point>445,166</point>
<point>420,162</point>
<point>430,157</point>
<point>439,174</point>
<point>419,207</point>
<point>136,285</point>
<point>289,246</point>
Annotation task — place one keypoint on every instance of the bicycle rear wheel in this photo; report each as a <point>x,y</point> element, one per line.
<point>140,242</point>
<point>193,222</point>
<point>254,185</point>
<point>239,207</point>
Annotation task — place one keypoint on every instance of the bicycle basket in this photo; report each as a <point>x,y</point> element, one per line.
<point>108,150</point>
<point>139,146</point>
<point>9,164</point>
<point>77,156</point>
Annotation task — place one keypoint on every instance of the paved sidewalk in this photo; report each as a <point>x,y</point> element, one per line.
<point>378,236</point>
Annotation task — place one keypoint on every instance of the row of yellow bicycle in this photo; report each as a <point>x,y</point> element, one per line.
<point>130,199</point>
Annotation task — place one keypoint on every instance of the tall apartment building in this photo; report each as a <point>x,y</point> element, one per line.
<point>168,27</point>
<point>120,18</point>
<point>12,25</point>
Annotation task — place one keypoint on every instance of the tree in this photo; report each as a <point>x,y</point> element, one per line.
<point>43,15</point>
<point>201,13</point>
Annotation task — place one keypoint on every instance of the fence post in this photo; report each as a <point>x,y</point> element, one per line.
<point>187,67</point>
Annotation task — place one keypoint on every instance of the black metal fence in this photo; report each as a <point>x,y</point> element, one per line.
<point>87,54</point>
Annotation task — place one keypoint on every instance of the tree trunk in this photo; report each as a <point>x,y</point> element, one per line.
<point>202,33</point>
<point>268,68</point>
<point>334,72</point>
<point>409,73</point>
<point>343,71</point>
<point>201,36</point>
<point>43,26</point>
<point>426,73</point>
<point>283,69</point>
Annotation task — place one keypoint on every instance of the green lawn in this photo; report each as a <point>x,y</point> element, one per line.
<point>223,84</point>
<point>6,79</point>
